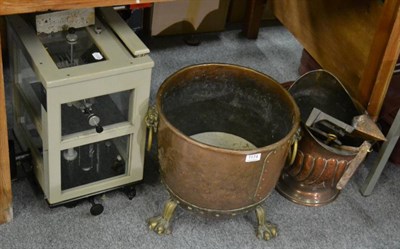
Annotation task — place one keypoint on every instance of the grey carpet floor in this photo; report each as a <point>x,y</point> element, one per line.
<point>351,221</point>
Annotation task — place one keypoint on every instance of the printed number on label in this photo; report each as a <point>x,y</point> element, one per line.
<point>253,157</point>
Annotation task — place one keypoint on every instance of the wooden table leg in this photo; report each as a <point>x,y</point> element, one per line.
<point>385,50</point>
<point>6,212</point>
<point>254,11</point>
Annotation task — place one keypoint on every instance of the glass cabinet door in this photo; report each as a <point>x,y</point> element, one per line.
<point>94,162</point>
<point>95,113</point>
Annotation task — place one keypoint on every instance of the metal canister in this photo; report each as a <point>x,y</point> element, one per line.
<point>223,137</point>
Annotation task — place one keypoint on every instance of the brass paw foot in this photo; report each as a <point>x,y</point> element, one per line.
<point>265,230</point>
<point>161,224</point>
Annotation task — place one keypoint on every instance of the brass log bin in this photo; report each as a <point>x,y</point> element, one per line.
<point>224,134</point>
<point>336,136</point>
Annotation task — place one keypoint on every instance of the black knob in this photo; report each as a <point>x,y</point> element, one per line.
<point>99,129</point>
<point>71,30</point>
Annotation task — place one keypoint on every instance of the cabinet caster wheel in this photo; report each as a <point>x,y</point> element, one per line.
<point>192,40</point>
<point>130,191</point>
<point>96,208</point>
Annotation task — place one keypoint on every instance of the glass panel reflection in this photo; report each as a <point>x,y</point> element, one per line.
<point>94,162</point>
<point>92,113</point>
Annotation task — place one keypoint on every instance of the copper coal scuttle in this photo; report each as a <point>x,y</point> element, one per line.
<point>336,135</point>
<point>224,134</point>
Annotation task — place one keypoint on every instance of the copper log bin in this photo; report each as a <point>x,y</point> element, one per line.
<point>220,181</point>
<point>320,170</point>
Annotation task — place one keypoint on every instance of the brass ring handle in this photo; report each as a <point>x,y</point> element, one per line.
<point>149,139</point>
<point>151,120</point>
<point>293,151</point>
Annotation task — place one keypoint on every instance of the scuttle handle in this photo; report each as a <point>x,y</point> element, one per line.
<point>354,164</point>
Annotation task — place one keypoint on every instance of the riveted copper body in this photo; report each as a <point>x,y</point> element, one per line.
<point>313,178</point>
<point>229,99</point>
